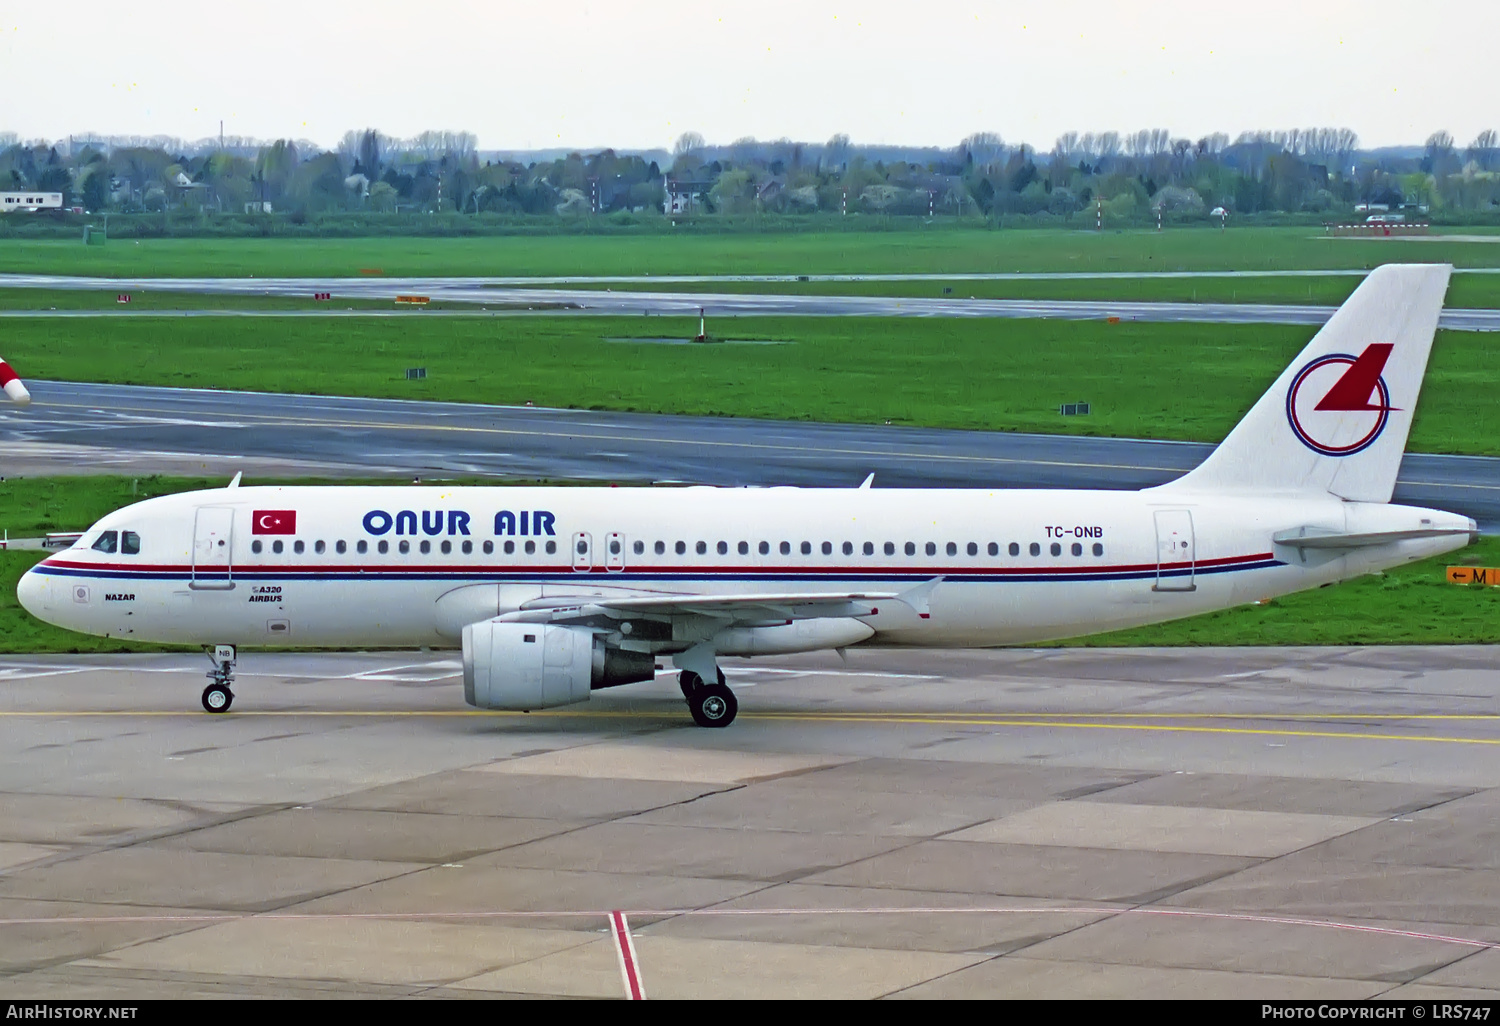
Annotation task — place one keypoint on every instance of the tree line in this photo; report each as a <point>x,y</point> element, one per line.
<point>1120,177</point>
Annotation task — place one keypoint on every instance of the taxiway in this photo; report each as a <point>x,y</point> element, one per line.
<point>1275,824</point>
<point>73,427</point>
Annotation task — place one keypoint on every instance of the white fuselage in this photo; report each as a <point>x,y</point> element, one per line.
<point>409,566</point>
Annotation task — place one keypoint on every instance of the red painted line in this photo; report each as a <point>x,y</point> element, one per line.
<point>846,570</point>
<point>625,948</point>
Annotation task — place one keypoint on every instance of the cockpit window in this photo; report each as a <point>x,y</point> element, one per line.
<point>106,542</point>
<point>130,543</point>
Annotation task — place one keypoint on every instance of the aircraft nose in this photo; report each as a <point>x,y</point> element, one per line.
<point>31,592</point>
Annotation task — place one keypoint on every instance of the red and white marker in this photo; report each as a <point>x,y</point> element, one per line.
<point>12,384</point>
<point>630,967</point>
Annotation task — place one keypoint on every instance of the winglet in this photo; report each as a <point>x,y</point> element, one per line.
<point>235,482</point>
<point>865,484</point>
<point>11,384</point>
<point>919,597</point>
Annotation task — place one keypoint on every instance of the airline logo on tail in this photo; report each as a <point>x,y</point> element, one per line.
<point>1338,404</point>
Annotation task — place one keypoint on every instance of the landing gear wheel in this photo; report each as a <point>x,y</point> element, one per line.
<point>712,705</point>
<point>217,698</point>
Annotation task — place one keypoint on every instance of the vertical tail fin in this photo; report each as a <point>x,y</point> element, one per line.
<point>11,384</point>
<point>1336,420</point>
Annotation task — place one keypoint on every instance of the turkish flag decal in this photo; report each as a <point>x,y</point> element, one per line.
<point>273,521</point>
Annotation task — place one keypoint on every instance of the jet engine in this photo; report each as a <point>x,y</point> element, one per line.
<point>525,666</point>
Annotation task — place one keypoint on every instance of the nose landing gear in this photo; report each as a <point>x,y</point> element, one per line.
<point>712,705</point>
<point>218,697</point>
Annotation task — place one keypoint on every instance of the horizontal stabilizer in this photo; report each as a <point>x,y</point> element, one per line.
<point>1320,538</point>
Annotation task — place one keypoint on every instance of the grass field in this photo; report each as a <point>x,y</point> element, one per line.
<point>1413,605</point>
<point>939,250</point>
<point>1170,381</point>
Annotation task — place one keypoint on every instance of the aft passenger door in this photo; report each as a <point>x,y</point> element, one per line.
<point>614,552</point>
<point>213,542</point>
<point>1175,550</point>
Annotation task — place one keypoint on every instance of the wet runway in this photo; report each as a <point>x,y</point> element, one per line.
<point>126,429</point>
<point>606,302</point>
<point>1252,823</point>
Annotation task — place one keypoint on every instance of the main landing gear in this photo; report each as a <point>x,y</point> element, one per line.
<point>712,705</point>
<point>218,697</point>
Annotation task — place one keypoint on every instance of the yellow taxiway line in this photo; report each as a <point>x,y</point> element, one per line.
<point>1066,721</point>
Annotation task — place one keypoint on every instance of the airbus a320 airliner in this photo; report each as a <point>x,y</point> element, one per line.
<point>552,593</point>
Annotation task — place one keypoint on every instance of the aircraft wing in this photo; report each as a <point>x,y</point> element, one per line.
<point>788,606</point>
<point>730,610</point>
<point>734,610</point>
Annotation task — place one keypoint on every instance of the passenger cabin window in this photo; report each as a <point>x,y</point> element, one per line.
<point>425,546</point>
<point>723,548</point>
<point>130,543</point>
<point>1056,549</point>
<point>952,549</point>
<point>489,547</point>
<point>276,547</point>
<point>404,547</point>
<point>869,548</point>
<point>932,548</point>
<point>744,548</point>
<point>786,548</point>
<point>1098,549</point>
<point>807,548</point>
<point>447,546</point>
<point>384,546</point>
<point>255,546</point>
<point>994,549</point>
<point>764,548</point>
<point>510,548</point>
<point>639,547</point>
<point>911,548</point>
<point>890,548</point>
<point>341,546</point>
<point>973,549</point>
<point>530,548</point>
<point>848,548</point>
<point>297,547</point>
<point>1014,550</point>
<point>106,542</point>
<point>1077,549</point>
<point>468,546</point>
<point>319,547</point>
<point>680,548</point>
<point>828,548</point>
<point>701,548</point>
<point>1035,550</point>
<point>551,547</point>
<point>362,547</point>
<point>659,548</point>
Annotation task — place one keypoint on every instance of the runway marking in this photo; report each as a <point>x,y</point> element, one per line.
<point>1056,721</point>
<point>1094,910</point>
<point>629,964</point>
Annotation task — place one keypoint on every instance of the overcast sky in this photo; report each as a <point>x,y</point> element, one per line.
<point>635,74</point>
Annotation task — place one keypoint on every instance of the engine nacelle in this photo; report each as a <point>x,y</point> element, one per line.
<point>524,666</point>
